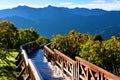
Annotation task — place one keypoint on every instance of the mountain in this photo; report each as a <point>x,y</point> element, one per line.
<point>49,21</point>
<point>48,12</point>
<point>110,31</point>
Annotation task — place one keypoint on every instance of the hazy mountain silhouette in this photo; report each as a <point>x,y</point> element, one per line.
<point>52,20</point>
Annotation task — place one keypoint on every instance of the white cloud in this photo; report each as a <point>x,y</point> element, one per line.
<point>66,3</point>
<point>22,4</point>
<point>105,6</point>
<point>116,1</point>
<point>99,1</point>
<point>7,7</point>
<point>32,5</point>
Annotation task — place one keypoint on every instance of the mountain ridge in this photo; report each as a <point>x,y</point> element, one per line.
<point>74,11</point>
<point>53,20</point>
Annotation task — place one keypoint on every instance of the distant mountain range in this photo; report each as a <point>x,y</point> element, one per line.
<point>49,21</point>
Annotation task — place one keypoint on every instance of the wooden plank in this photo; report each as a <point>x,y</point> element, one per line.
<point>48,49</point>
<point>34,71</point>
<point>64,56</point>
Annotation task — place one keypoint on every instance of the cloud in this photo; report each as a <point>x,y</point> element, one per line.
<point>105,6</point>
<point>116,1</point>
<point>66,3</point>
<point>99,1</point>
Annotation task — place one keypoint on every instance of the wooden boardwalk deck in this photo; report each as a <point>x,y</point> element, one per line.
<point>42,63</point>
<point>43,67</point>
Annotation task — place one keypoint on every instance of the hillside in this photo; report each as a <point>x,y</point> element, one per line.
<point>49,21</point>
<point>110,31</point>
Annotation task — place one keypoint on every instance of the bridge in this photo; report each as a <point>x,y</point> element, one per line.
<point>39,62</point>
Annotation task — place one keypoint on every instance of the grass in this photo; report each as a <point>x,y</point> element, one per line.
<point>8,67</point>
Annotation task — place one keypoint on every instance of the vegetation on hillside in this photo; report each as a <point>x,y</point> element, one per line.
<point>8,69</point>
<point>10,40</point>
<point>105,54</point>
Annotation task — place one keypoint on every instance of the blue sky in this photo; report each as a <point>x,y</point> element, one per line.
<point>91,4</point>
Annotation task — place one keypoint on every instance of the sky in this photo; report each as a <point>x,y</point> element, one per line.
<point>91,4</point>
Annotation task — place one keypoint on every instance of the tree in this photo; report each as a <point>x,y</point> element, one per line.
<point>12,38</point>
<point>8,35</point>
<point>71,44</point>
<point>28,35</point>
<point>42,40</point>
<point>112,54</point>
<point>8,39</point>
<point>105,54</point>
<point>98,37</point>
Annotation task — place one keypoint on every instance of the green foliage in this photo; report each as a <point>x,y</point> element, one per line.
<point>8,35</point>
<point>92,52</point>
<point>8,71</point>
<point>112,54</point>
<point>98,37</point>
<point>70,44</point>
<point>11,38</point>
<point>42,40</point>
<point>105,54</point>
<point>27,35</point>
<point>59,42</point>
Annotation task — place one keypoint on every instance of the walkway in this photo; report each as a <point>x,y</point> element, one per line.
<point>33,65</point>
<point>43,67</point>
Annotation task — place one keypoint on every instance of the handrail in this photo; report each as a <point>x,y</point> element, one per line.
<point>48,53</point>
<point>30,46</point>
<point>48,49</point>
<point>80,69</point>
<point>25,57</point>
<point>64,56</point>
<point>66,64</point>
<point>93,71</point>
<point>28,69</point>
<point>33,72</point>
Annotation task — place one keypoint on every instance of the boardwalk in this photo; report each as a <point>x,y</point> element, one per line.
<point>42,63</point>
<point>43,67</point>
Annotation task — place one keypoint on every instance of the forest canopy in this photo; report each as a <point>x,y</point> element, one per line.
<point>10,40</point>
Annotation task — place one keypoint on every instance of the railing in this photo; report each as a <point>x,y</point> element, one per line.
<point>28,47</point>
<point>25,66</point>
<point>66,64</point>
<point>88,71</point>
<point>79,69</point>
<point>48,53</point>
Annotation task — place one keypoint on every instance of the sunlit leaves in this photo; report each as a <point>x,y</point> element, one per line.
<point>8,34</point>
<point>42,40</point>
<point>12,38</point>
<point>27,35</point>
<point>105,54</point>
<point>70,44</point>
